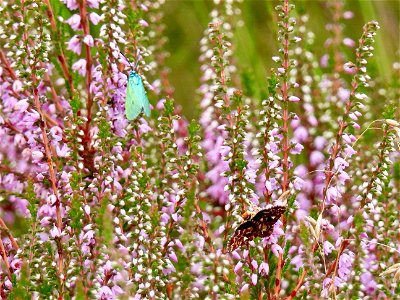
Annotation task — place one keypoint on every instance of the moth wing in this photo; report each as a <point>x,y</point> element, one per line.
<point>145,101</point>
<point>245,233</point>
<point>270,215</point>
<point>133,102</point>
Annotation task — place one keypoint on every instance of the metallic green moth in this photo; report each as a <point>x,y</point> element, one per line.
<point>136,98</point>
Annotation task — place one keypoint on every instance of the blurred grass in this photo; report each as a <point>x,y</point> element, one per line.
<point>255,42</point>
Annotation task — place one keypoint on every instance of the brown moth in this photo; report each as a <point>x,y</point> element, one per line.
<point>260,224</point>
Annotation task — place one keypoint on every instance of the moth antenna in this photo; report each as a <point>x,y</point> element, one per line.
<point>133,69</point>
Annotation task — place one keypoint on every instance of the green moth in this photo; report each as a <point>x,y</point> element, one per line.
<point>136,100</point>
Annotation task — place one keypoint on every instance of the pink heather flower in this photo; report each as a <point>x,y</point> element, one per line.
<point>93,3</point>
<point>105,291</point>
<point>17,86</point>
<point>297,149</point>
<point>301,134</point>
<point>353,116</point>
<point>348,15</point>
<point>56,133</point>
<point>51,199</point>
<point>80,66</point>
<point>254,278</point>
<point>328,247</point>
<point>349,68</point>
<point>349,42</point>
<point>244,288</point>
<point>324,60</point>
<point>254,264</point>
<point>298,183</point>
<point>343,94</point>
<point>173,256</point>
<point>88,40</point>
<point>160,104</point>
<point>238,267</point>
<point>369,284</point>
<point>294,99</point>
<point>319,143</point>
<point>235,255</point>
<point>16,264</point>
<point>94,18</point>
<point>37,155</point>
<point>63,151</point>
<point>332,195</point>
<point>55,232</point>
<point>316,157</point>
<point>276,249</point>
<point>75,22</point>
<point>343,177</point>
<point>74,44</point>
<point>71,4</point>
<point>344,266</point>
<point>264,268</point>
<point>143,23</point>
<point>346,138</point>
<point>349,151</point>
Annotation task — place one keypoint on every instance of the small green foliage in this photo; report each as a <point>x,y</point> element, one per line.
<point>75,103</point>
<point>193,128</point>
<point>76,212</point>
<point>390,112</point>
<point>104,129</point>
<point>168,107</point>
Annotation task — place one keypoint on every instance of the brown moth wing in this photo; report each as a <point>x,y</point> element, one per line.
<point>269,215</point>
<point>245,233</point>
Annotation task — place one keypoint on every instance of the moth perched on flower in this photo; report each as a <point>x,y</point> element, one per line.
<point>258,224</point>
<point>136,100</point>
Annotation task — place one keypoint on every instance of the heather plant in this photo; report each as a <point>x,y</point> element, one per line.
<point>94,206</point>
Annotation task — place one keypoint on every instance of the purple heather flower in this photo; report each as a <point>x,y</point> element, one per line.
<point>297,148</point>
<point>324,60</point>
<point>263,268</point>
<point>93,3</point>
<point>254,279</point>
<point>75,22</point>
<point>143,23</point>
<point>301,134</point>
<point>17,86</point>
<point>88,40</point>
<point>343,94</point>
<point>80,66</point>
<point>244,288</point>
<point>349,42</point>
<point>294,99</point>
<point>173,256</point>
<point>368,282</point>
<point>328,247</point>
<point>348,15</point>
<point>55,232</point>
<point>94,18</point>
<point>74,44</point>
<point>71,4</point>
<point>238,267</point>
<point>276,249</point>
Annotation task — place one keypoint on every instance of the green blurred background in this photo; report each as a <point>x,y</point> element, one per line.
<point>255,42</point>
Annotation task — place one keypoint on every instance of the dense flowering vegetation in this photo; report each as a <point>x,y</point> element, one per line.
<point>94,206</point>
